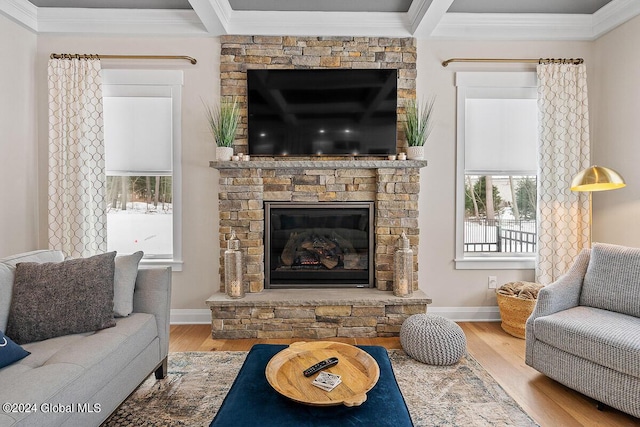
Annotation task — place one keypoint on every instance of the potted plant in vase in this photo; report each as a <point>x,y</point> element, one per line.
<point>417,127</point>
<point>223,122</point>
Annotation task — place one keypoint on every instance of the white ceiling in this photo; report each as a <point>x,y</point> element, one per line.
<point>430,19</point>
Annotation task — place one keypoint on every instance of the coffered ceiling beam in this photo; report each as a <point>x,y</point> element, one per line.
<point>424,16</point>
<point>214,14</point>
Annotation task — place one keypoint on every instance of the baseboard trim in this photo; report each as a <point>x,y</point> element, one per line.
<point>467,314</point>
<point>190,316</point>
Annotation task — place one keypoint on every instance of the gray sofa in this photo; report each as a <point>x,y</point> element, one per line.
<point>585,329</point>
<point>80,379</point>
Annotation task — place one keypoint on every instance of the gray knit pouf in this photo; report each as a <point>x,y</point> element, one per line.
<point>432,339</point>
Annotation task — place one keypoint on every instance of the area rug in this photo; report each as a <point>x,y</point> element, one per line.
<point>463,394</point>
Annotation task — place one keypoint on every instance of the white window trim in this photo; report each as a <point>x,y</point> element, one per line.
<point>173,81</point>
<point>466,81</point>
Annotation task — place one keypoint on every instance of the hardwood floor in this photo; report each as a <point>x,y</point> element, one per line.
<point>546,401</point>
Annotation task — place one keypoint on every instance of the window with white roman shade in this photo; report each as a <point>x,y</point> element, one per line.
<point>142,130</point>
<point>497,166</point>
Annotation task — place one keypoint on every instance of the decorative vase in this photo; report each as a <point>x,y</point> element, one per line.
<point>403,268</point>
<point>415,152</point>
<point>233,268</point>
<point>224,153</point>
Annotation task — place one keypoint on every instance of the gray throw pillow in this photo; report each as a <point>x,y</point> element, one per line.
<point>124,283</point>
<point>6,289</point>
<point>55,299</point>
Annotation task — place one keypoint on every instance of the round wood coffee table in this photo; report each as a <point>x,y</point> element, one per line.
<point>359,372</point>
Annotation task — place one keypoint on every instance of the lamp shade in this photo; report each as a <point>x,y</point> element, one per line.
<point>597,178</point>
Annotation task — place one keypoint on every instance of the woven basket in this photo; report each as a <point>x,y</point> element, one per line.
<point>514,312</point>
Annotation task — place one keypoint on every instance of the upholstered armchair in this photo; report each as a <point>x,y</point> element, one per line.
<point>585,329</point>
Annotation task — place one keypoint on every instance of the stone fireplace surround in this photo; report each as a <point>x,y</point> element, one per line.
<point>393,186</point>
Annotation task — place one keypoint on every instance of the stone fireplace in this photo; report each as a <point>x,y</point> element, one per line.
<point>390,187</point>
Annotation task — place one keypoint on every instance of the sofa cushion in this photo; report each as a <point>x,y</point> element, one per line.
<point>612,280</point>
<point>7,269</point>
<point>124,283</point>
<point>54,299</point>
<point>604,337</point>
<point>10,352</point>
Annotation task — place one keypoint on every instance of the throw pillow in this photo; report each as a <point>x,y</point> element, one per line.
<point>55,299</point>
<point>124,283</point>
<point>6,289</point>
<point>9,351</point>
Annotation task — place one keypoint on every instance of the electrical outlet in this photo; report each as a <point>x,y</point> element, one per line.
<point>493,282</point>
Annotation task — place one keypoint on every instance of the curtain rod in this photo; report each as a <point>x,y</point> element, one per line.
<point>90,56</point>
<point>574,61</point>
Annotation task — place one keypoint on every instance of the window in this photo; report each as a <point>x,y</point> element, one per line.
<point>496,171</point>
<point>142,116</point>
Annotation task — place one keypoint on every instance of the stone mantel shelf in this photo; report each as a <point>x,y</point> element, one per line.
<point>315,297</point>
<point>318,164</point>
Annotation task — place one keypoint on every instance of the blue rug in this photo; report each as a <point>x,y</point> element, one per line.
<point>253,402</point>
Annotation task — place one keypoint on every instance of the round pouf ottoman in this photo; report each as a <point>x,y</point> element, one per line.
<point>432,339</point>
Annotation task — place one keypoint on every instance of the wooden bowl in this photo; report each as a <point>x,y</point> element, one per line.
<point>359,372</point>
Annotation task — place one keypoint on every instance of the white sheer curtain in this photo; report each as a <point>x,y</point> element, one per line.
<point>77,181</point>
<point>563,220</point>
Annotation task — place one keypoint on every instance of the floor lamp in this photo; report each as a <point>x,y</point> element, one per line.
<point>596,178</point>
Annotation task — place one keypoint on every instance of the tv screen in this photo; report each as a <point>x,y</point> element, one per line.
<point>322,112</point>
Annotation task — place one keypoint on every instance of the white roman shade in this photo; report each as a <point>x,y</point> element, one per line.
<point>139,138</point>
<point>500,135</point>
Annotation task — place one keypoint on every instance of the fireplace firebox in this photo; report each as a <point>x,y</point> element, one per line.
<point>319,245</point>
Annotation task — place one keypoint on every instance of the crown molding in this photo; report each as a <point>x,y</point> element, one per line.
<point>507,26</point>
<point>425,19</point>
<point>119,21</point>
<point>22,12</point>
<point>391,24</point>
<point>614,14</point>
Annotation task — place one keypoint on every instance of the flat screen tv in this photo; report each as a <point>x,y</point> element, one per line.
<point>322,112</point>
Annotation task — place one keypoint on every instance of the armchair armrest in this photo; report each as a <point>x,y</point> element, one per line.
<point>153,295</point>
<point>560,295</point>
<point>564,293</point>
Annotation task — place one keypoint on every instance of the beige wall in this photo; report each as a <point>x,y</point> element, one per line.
<point>612,66</point>
<point>199,277</point>
<point>18,173</point>
<point>447,286</point>
<point>616,136</point>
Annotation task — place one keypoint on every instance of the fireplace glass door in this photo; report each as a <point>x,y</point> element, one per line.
<point>318,245</point>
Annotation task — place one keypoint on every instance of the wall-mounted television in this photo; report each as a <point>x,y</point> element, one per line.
<point>322,112</point>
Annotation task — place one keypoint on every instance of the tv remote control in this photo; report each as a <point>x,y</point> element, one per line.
<point>320,366</point>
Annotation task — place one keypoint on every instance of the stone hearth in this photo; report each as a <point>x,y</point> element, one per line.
<point>312,314</point>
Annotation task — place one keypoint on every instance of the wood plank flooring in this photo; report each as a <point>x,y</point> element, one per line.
<point>546,401</point>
